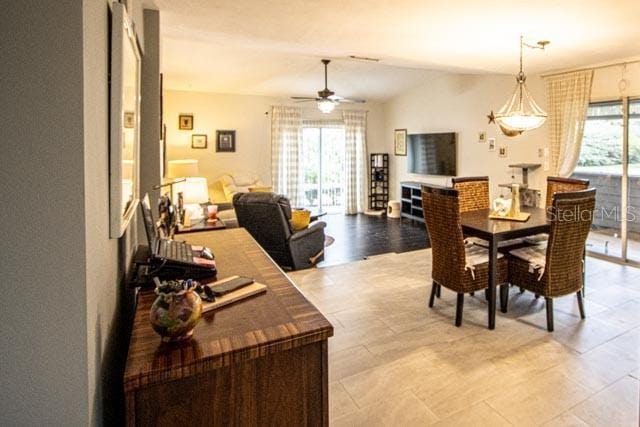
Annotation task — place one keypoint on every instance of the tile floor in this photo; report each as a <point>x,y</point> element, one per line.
<point>393,361</point>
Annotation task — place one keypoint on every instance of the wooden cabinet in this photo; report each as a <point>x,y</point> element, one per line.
<point>261,361</point>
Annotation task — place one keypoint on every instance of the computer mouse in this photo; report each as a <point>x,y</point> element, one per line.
<point>207,254</point>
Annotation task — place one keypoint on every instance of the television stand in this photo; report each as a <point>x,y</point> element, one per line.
<point>411,201</point>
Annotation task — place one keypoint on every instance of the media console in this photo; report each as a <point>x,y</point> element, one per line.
<point>411,201</point>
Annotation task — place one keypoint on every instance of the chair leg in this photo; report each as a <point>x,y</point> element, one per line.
<point>486,294</point>
<point>504,297</point>
<point>434,288</point>
<point>549,306</point>
<point>472,293</point>
<point>581,304</point>
<point>438,291</point>
<point>521,290</point>
<point>459,305</point>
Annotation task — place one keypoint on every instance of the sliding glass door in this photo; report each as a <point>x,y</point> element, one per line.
<point>323,165</point>
<point>610,160</point>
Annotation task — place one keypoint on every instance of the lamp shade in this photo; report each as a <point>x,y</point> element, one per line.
<point>182,168</point>
<point>194,190</point>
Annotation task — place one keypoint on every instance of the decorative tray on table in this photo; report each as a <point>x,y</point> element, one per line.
<point>520,216</point>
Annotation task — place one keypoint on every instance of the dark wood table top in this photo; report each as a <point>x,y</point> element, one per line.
<point>479,224</point>
<point>278,320</point>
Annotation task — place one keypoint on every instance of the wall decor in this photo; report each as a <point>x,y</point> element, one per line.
<point>185,122</point>
<point>225,141</point>
<point>492,144</point>
<point>482,137</point>
<point>503,151</point>
<point>198,141</point>
<point>124,123</point>
<point>400,142</point>
<point>129,119</point>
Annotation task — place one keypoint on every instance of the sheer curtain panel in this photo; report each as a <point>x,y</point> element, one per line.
<point>355,166</point>
<point>286,140</point>
<point>568,98</point>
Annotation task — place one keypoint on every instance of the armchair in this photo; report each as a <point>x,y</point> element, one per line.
<point>267,217</point>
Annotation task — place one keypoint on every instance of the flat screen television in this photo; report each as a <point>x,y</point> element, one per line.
<point>432,154</point>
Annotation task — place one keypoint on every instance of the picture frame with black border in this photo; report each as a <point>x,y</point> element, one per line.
<point>185,121</point>
<point>225,141</point>
<point>492,144</point>
<point>199,141</point>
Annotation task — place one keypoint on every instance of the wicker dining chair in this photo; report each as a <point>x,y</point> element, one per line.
<point>556,184</point>
<point>473,194</point>
<point>456,266</point>
<point>556,269</point>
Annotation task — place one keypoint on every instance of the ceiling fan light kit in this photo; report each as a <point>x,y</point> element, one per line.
<point>521,113</point>
<point>326,105</point>
<point>327,100</point>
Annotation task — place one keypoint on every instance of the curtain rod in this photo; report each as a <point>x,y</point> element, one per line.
<point>338,109</point>
<point>617,64</point>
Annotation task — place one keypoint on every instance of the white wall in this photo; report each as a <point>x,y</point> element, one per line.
<point>461,103</point>
<point>605,82</point>
<point>246,115</point>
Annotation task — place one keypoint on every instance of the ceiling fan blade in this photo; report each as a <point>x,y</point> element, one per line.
<point>300,101</point>
<point>306,98</point>
<point>352,101</point>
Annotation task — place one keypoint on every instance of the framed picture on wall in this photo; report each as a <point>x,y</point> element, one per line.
<point>400,142</point>
<point>198,141</point>
<point>503,151</point>
<point>185,122</point>
<point>225,141</point>
<point>492,144</point>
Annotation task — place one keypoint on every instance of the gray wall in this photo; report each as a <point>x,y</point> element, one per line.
<point>64,310</point>
<point>43,304</point>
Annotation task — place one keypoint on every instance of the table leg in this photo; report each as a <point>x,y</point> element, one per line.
<point>493,259</point>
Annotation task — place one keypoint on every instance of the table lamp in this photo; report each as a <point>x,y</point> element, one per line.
<point>194,192</point>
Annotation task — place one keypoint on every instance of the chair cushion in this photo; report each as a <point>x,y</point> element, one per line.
<point>536,256</point>
<point>538,239</point>
<point>476,255</point>
<point>505,243</point>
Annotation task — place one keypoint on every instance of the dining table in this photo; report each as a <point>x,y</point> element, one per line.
<point>477,223</point>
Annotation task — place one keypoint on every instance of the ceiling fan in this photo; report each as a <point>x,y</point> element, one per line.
<point>327,99</point>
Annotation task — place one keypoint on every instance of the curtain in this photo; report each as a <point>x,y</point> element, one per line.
<point>355,165</point>
<point>286,140</point>
<point>568,100</point>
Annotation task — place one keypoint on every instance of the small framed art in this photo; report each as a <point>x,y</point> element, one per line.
<point>492,144</point>
<point>185,122</point>
<point>503,151</point>
<point>482,137</point>
<point>400,142</point>
<point>198,141</point>
<point>225,141</point>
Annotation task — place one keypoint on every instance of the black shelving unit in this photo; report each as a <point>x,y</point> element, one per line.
<point>379,187</point>
<point>411,201</point>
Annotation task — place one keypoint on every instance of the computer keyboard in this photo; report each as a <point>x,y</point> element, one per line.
<point>179,251</point>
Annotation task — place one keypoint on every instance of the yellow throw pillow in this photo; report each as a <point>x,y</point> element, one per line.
<point>300,219</point>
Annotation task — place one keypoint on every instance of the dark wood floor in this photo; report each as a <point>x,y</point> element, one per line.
<point>360,236</point>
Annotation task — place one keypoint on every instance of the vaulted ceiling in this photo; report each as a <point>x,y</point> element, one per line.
<point>274,47</point>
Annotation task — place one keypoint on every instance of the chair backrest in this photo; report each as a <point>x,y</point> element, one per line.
<point>473,192</point>
<point>556,184</point>
<point>571,217</point>
<point>442,217</point>
<point>266,216</point>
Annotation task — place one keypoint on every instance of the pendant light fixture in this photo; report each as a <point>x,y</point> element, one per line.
<point>521,113</point>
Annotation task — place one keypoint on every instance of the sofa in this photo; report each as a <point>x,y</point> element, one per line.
<point>267,217</point>
<point>222,190</point>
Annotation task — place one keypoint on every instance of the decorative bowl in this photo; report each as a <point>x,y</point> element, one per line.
<point>175,313</point>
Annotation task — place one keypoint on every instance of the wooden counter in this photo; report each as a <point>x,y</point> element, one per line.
<point>261,361</point>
